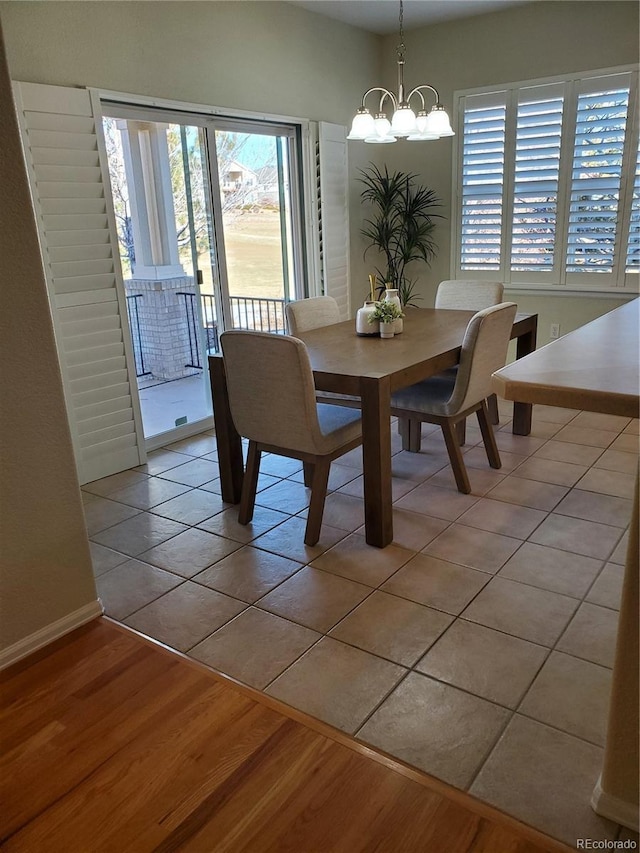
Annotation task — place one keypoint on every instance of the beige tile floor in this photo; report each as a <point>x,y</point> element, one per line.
<point>477,647</point>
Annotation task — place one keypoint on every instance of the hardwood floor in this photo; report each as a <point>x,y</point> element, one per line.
<point>113,743</point>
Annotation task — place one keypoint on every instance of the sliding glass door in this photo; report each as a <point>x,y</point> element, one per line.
<point>208,218</point>
<point>257,216</point>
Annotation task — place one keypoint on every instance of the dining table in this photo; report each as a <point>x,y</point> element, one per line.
<point>370,368</point>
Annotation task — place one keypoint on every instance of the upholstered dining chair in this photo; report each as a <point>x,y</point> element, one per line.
<point>471,295</point>
<point>273,404</point>
<point>448,398</point>
<point>307,314</point>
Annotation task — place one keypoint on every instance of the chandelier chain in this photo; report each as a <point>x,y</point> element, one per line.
<point>400,50</point>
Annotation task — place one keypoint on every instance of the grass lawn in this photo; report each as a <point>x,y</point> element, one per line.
<point>254,256</point>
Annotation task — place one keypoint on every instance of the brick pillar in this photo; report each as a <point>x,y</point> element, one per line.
<point>168,342</point>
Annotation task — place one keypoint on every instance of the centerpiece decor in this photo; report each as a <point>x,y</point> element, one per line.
<point>391,295</point>
<point>386,314</point>
<point>400,226</point>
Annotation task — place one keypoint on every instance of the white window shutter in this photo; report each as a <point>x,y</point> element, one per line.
<point>73,208</point>
<point>601,123</point>
<point>536,180</point>
<point>633,244</point>
<point>333,206</point>
<point>482,182</point>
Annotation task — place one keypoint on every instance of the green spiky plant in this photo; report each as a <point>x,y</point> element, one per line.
<point>400,227</point>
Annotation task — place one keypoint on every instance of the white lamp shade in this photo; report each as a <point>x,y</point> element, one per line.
<point>381,140</point>
<point>382,126</point>
<point>422,133</point>
<point>438,123</point>
<point>403,122</point>
<point>362,126</point>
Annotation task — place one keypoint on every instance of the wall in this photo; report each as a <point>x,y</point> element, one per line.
<point>267,57</point>
<point>539,39</point>
<point>45,567</point>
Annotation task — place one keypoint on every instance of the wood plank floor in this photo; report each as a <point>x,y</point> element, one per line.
<point>112,743</point>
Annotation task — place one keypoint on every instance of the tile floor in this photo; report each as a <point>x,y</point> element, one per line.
<point>477,647</point>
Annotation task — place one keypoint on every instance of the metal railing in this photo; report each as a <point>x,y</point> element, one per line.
<point>209,318</point>
<point>258,313</point>
<point>247,312</point>
<point>136,333</point>
<point>192,329</point>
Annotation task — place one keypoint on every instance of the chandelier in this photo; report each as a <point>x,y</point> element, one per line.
<point>405,123</point>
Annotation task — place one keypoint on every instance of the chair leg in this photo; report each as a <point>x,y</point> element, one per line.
<point>307,470</point>
<point>411,431</point>
<point>455,457</point>
<point>249,484</point>
<point>492,406</point>
<point>461,431</point>
<point>488,437</point>
<point>316,505</point>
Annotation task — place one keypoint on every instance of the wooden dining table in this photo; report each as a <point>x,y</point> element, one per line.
<point>372,369</point>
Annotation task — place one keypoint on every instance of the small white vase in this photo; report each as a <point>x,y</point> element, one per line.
<point>363,326</point>
<point>386,329</point>
<point>391,294</point>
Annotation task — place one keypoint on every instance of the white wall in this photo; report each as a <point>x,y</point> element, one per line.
<point>539,39</point>
<point>45,566</point>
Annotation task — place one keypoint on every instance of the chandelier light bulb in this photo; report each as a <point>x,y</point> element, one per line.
<point>381,134</point>
<point>363,125</point>
<point>403,122</point>
<point>382,124</point>
<point>438,122</point>
<point>422,133</point>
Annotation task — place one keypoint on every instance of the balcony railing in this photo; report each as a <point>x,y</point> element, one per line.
<point>192,329</point>
<point>247,312</point>
<point>136,333</point>
<point>258,314</point>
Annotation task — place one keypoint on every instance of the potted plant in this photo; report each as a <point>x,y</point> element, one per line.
<point>385,313</point>
<point>401,226</point>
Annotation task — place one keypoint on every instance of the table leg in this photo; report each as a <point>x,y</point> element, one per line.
<point>228,441</point>
<point>411,432</point>
<point>376,453</point>
<point>525,344</point>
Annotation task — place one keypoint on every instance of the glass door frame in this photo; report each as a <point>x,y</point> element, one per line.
<point>300,136</point>
<point>259,127</point>
<point>161,115</point>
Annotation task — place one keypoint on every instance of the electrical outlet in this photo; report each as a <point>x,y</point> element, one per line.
<point>555,331</point>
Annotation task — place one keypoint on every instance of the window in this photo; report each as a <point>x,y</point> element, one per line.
<point>548,184</point>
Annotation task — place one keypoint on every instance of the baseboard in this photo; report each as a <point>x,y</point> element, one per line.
<point>52,632</point>
<point>613,808</point>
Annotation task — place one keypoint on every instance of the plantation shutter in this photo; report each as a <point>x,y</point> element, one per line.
<point>633,245</point>
<point>547,185</point>
<point>77,235</point>
<point>333,214</point>
<point>601,120</point>
<point>481,203</point>
<point>536,179</point>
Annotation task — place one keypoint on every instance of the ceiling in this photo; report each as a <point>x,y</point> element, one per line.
<point>381,16</point>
